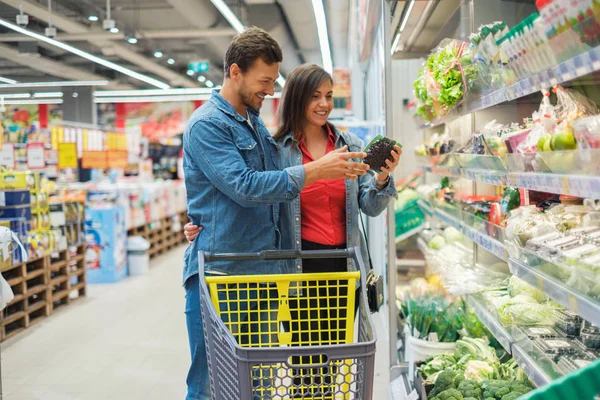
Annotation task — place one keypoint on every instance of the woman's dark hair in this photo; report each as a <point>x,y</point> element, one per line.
<point>301,84</point>
<point>249,46</point>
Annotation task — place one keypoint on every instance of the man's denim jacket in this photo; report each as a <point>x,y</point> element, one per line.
<point>234,187</point>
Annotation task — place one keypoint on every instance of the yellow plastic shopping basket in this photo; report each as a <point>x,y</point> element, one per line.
<point>287,336</point>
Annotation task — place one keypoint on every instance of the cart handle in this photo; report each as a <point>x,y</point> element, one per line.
<point>280,255</point>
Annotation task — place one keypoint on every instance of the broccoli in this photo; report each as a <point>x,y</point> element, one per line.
<point>449,394</point>
<point>471,398</point>
<point>458,379</point>
<point>470,388</point>
<point>503,390</point>
<point>444,381</point>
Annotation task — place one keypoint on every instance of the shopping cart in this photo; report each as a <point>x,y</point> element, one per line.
<point>290,335</point>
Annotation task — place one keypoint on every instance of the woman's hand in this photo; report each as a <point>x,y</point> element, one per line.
<point>391,166</point>
<point>191,231</point>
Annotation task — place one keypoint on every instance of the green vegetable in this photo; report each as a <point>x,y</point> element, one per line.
<point>436,364</point>
<point>470,389</point>
<point>449,394</point>
<point>437,242</point>
<point>503,390</point>
<point>517,286</point>
<point>510,200</point>
<point>478,348</point>
<point>452,234</point>
<point>445,380</point>
<point>527,314</point>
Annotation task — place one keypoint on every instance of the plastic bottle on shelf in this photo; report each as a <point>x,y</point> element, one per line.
<point>544,9</point>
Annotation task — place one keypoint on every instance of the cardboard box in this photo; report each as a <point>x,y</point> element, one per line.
<point>12,198</point>
<point>106,239</point>
<point>16,212</point>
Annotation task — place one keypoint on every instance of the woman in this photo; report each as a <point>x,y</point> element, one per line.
<point>326,215</point>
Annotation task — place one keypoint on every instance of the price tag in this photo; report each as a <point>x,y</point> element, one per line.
<point>595,58</point>
<point>565,185</point>
<point>67,155</point>
<point>540,283</point>
<point>7,155</point>
<point>567,70</point>
<point>573,303</point>
<point>583,64</point>
<point>35,156</point>
<point>594,184</point>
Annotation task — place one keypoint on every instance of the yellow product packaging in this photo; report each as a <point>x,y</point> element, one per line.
<point>17,180</point>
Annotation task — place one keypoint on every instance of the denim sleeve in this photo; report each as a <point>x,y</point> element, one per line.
<point>371,200</point>
<point>209,147</point>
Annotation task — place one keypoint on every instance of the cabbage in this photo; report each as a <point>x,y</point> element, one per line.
<point>479,370</point>
<point>452,234</point>
<point>517,287</point>
<point>527,314</point>
<point>437,242</point>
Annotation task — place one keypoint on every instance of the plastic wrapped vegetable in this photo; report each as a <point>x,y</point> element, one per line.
<point>449,72</point>
<point>510,200</point>
<point>516,287</point>
<point>527,314</point>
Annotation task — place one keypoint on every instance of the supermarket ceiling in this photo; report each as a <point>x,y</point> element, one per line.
<point>157,38</point>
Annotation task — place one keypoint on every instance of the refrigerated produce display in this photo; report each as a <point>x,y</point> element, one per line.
<point>509,304</point>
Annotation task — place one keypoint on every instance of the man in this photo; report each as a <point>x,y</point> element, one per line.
<point>233,184</point>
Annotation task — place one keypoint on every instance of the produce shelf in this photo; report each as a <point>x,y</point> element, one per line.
<point>576,302</point>
<point>574,185</point>
<point>573,68</point>
<point>493,325</point>
<point>492,245</point>
<point>409,234</point>
<point>538,376</point>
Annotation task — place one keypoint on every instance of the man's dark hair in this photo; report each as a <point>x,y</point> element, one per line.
<point>249,46</point>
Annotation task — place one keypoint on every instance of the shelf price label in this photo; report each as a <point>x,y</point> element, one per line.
<point>35,156</point>
<point>67,155</point>
<point>594,55</point>
<point>7,155</point>
<point>565,185</point>
<point>94,159</point>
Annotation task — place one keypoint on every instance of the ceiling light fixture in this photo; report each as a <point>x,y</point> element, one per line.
<point>323,35</point>
<point>88,56</point>
<point>150,92</point>
<point>395,44</point>
<point>53,84</point>
<point>132,40</point>
<point>33,101</point>
<point>109,24</point>
<point>93,18</point>
<point>201,78</point>
<point>159,99</point>
<point>15,95</point>
<point>233,20</point>
<point>158,54</point>
<point>22,19</point>
<point>170,61</point>
<point>6,80</point>
<point>405,20</point>
<point>114,30</point>
<point>237,25</point>
<point>50,31</point>
<point>209,83</point>
<point>190,72</point>
<point>43,95</point>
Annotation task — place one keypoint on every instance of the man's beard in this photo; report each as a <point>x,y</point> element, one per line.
<point>247,98</point>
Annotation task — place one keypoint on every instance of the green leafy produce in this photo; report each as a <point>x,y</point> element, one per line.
<point>517,286</point>
<point>437,242</point>
<point>444,381</point>
<point>527,314</point>
<point>452,234</point>
<point>478,348</point>
<point>510,200</point>
<point>449,394</point>
<point>444,73</point>
<point>470,389</point>
<point>496,389</point>
<point>430,314</point>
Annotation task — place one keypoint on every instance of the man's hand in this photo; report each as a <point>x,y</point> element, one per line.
<point>336,165</point>
<point>191,231</point>
<point>391,166</point>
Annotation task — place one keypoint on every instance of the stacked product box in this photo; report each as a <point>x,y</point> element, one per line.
<point>106,239</point>
<point>15,213</point>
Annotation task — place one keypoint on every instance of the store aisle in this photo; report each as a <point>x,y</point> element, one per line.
<point>126,341</point>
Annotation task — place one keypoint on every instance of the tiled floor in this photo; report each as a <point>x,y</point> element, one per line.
<point>126,341</point>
